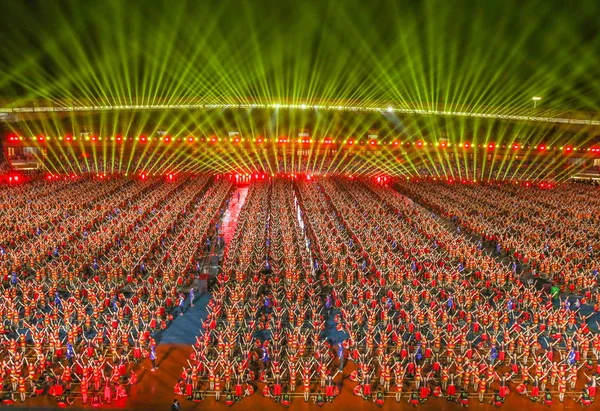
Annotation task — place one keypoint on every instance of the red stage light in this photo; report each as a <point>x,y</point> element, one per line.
<point>260,140</point>
<point>143,176</point>
<point>395,143</point>
<point>568,148</point>
<point>41,139</point>
<point>143,139</point>
<point>213,140</point>
<point>516,146</point>
<point>167,139</point>
<point>350,142</point>
<point>236,140</point>
<point>467,145</point>
<point>372,142</point>
<point>119,139</point>
<point>419,144</point>
<point>190,139</point>
<point>93,138</point>
<point>491,146</point>
<point>170,177</point>
<point>68,137</point>
<point>542,148</point>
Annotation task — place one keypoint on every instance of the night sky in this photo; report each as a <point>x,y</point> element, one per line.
<point>490,53</point>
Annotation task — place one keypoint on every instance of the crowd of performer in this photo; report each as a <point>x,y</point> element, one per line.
<point>326,282</point>
<point>91,271</point>
<point>339,279</point>
<point>553,230</point>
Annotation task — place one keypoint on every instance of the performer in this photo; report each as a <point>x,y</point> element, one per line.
<point>379,399</point>
<point>152,357</point>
